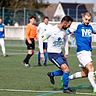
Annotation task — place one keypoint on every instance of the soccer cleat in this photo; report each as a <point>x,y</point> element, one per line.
<point>39,64</point>
<point>26,64</point>
<point>94,90</point>
<point>51,78</point>
<point>68,91</point>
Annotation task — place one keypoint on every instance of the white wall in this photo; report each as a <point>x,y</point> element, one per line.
<point>18,33</point>
<point>15,33</point>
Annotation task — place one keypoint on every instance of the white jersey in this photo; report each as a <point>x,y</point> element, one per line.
<point>42,27</point>
<point>56,38</point>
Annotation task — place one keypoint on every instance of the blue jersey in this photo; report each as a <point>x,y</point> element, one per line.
<point>83,36</point>
<point>1,30</point>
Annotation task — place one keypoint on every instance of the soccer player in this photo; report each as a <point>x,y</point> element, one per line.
<point>56,36</point>
<point>42,27</point>
<point>2,35</point>
<point>83,34</point>
<point>31,36</point>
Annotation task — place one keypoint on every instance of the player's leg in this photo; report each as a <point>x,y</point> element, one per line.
<point>52,58</point>
<point>80,74</point>
<point>30,48</point>
<point>39,63</point>
<point>45,56</point>
<point>85,59</point>
<point>61,63</point>
<point>3,46</point>
<point>45,52</point>
<point>90,68</point>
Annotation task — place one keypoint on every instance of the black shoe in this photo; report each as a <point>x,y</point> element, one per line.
<point>39,64</point>
<point>69,91</point>
<point>51,78</point>
<point>45,64</point>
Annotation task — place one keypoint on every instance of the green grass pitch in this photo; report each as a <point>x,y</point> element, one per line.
<point>17,80</point>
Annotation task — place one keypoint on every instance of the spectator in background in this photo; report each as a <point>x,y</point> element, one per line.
<point>2,35</point>
<point>42,27</point>
<point>31,36</point>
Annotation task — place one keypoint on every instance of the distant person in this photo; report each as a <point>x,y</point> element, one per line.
<point>42,27</point>
<point>31,36</point>
<point>57,36</point>
<point>83,35</point>
<point>2,36</point>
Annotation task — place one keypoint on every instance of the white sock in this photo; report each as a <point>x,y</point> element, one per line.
<point>91,79</point>
<point>75,75</point>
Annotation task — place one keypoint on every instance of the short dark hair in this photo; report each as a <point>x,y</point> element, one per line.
<point>45,17</point>
<point>67,18</point>
<point>32,17</point>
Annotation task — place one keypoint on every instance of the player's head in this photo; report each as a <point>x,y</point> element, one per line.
<point>1,20</point>
<point>46,19</point>
<point>32,20</point>
<point>66,22</point>
<point>86,17</point>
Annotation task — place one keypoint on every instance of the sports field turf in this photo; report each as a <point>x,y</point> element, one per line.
<point>17,80</point>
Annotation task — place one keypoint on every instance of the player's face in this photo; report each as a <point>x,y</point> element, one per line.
<point>66,24</point>
<point>0,21</point>
<point>86,19</point>
<point>32,21</point>
<point>46,21</point>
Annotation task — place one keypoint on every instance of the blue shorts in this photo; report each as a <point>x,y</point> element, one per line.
<point>58,59</point>
<point>45,45</point>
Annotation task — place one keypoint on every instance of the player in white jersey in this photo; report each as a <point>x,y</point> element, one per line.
<point>2,35</point>
<point>83,35</point>
<point>42,27</point>
<point>56,37</point>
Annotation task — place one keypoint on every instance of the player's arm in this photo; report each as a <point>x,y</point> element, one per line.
<point>27,34</point>
<point>72,28</point>
<point>66,46</point>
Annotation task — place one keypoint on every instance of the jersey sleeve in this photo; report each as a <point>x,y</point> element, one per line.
<point>72,28</point>
<point>42,38</point>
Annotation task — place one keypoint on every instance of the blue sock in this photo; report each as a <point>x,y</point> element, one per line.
<point>45,56</point>
<point>57,73</point>
<point>65,80</point>
<point>38,57</point>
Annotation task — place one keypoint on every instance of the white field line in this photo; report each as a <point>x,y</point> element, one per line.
<point>35,91</point>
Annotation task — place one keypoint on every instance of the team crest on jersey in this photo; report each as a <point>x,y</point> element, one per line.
<point>86,32</point>
<point>58,42</point>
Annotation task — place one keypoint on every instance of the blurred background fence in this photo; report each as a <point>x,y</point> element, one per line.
<point>21,16</point>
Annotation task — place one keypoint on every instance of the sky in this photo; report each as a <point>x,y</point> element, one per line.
<point>72,1</point>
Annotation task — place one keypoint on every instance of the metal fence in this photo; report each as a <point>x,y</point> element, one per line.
<point>21,16</point>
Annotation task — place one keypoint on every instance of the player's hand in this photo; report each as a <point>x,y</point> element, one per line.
<point>66,56</point>
<point>42,56</point>
<point>29,42</point>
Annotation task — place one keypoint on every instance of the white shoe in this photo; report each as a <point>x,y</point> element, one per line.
<point>94,90</point>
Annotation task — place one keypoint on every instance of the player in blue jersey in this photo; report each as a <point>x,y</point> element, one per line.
<point>83,35</point>
<point>2,35</point>
<point>56,36</point>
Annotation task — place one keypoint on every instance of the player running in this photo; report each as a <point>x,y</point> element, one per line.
<point>56,37</point>
<point>83,34</point>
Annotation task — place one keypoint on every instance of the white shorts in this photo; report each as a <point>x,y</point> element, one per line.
<point>84,57</point>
